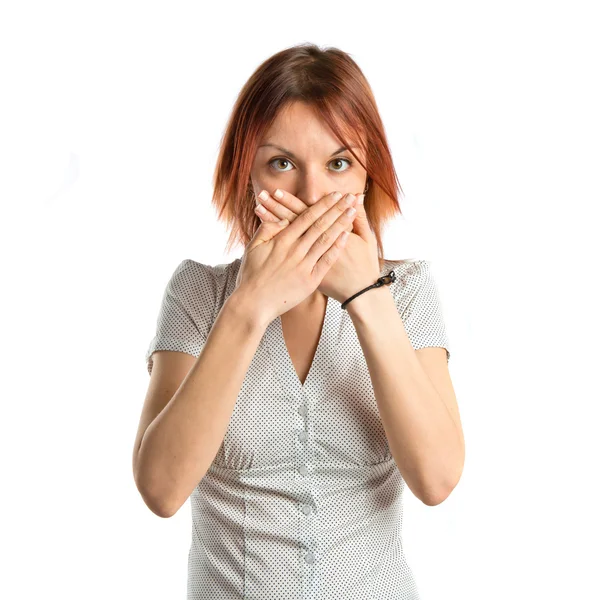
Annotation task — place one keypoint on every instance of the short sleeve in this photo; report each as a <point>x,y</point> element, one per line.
<point>187,311</point>
<point>417,299</point>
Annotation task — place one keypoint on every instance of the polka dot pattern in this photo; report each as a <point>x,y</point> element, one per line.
<point>187,311</point>
<point>303,499</point>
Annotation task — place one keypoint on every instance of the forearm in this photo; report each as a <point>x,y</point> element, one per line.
<point>180,444</point>
<point>423,438</point>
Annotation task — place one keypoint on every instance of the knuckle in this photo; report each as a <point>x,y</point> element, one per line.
<point>324,237</point>
<point>305,217</point>
<point>341,206</point>
<point>320,224</point>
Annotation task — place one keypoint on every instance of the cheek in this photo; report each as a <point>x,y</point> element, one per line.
<point>262,179</point>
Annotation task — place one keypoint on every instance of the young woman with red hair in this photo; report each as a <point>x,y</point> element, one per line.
<point>296,390</point>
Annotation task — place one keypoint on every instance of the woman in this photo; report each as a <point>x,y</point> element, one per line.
<point>290,397</point>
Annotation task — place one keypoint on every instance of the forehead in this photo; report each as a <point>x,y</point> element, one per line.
<point>300,121</point>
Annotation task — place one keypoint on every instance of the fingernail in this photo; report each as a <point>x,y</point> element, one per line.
<point>361,199</point>
<point>278,194</point>
<point>337,195</point>
<point>263,195</point>
<point>261,209</point>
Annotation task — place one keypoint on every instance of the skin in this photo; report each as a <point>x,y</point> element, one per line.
<point>308,171</point>
<point>419,412</point>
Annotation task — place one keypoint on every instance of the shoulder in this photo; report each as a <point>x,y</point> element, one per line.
<point>414,280</point>
<point>190,280</point>
<point>195,280</point>
<point>191,270</point>
<point>193,273</point>
<point>406,267</point>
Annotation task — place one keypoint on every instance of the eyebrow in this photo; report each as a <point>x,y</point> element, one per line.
<point>342,149</point>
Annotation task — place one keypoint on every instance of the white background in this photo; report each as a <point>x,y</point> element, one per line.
<point>110,121</point>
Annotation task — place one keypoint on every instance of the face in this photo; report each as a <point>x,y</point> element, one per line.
<point>307,163</point>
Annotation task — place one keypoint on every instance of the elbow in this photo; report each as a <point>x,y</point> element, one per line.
<point>435,495</point>
<point>159,508</point>
<point>435,492</point>
<point>160,505</point>
<point>433,499</point>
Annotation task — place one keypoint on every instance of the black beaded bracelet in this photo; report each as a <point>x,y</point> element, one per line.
<point>385,280</point>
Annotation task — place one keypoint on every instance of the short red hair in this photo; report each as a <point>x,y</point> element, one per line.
<point>334,86</point>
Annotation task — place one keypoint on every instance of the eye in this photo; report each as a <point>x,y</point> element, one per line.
<point>280,160</point>
<point>340,159</point>
<point>285,160</point>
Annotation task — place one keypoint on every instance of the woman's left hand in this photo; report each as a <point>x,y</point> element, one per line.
<point>358,264</point>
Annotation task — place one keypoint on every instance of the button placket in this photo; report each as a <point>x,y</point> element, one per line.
<point>303,448</point>
<point>306,539</point>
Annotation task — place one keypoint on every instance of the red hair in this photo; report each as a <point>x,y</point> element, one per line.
<point>334,86</point>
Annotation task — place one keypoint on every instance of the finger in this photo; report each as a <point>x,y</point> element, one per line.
<point>328,259</point>
<point>361,223</point>
<point>326,247</point>
<point>280,211</point>
<point>267,216</point>
<point>287,206</point>
<point>323,221</point>
<point>287,200</point>
<point>264,233</point>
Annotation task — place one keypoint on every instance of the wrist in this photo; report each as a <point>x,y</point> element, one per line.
<point>243,305</point>
<point>367,303</point>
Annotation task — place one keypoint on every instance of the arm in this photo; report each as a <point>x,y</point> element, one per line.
<point>424,438</point>
<point>179,445</point>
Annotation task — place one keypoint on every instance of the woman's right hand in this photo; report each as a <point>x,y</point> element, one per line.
<point>285,262</point>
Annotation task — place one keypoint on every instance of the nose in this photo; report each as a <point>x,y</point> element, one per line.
<point>311,187</point>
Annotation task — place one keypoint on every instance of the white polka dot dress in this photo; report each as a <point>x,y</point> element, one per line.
<point>303,500</point>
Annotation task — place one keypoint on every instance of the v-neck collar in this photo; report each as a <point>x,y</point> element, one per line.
<point>322,360</point>
<point>325,353</point>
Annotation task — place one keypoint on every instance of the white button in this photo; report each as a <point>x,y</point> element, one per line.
<point>303,470</point>
<point>302,410</point>
<point>306,509</point>
<point>309,558</point>
<point>302,435</point>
